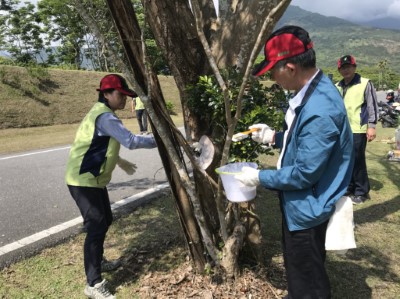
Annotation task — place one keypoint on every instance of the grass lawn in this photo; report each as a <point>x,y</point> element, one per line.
<point>149,241</point>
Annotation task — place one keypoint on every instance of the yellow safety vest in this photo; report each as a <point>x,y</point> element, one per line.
<point>353,100</point>
<point>92,158</point>
<point>138,104</point>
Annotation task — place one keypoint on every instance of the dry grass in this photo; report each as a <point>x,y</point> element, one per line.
<point>64,98</point>
<point>45,114</point>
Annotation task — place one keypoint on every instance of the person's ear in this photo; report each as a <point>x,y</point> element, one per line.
<point>291,67</point>
<point>107,95</point>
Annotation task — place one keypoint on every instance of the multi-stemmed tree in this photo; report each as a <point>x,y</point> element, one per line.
<point>195,41</point>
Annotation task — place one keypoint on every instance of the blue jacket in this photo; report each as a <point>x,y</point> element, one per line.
<point>318,160</point>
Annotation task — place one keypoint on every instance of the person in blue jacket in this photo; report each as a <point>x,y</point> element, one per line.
<point>315,163</point>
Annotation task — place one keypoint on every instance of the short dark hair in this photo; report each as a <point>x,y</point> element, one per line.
<point>306,60</point>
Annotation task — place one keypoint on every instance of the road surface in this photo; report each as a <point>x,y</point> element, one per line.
<point>34,196</point>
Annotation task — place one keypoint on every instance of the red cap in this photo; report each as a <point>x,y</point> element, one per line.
<point>117,82</point>
<point>347,59</point>
<point>284,43</point>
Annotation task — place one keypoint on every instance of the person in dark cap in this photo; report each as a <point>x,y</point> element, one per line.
<point>92,159</point>
<point>361,103</point>
<point>315,163</point>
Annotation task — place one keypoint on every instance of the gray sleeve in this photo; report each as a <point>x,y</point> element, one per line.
<point>107,124</point>
<point>372,105</point>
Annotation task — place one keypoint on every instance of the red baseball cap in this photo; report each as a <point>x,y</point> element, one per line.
<point>347,59</point>
<point>285,42</point>
<point>117,82</point>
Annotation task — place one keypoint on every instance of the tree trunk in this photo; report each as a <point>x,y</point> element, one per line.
<point>187,61</point>
<point>128,28</point>
<point>237,29</point>
<point>232,37</point>
<point>183,51</point>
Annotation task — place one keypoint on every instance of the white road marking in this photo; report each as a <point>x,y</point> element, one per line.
<point>63,226</point>
<point>35,153</point>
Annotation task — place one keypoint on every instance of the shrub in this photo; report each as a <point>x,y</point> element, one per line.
<point>170,108</point>
<point>261,104</point>
<point>38,72</point>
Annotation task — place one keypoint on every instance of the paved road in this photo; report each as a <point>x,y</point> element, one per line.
<point>381,96</point>
<point>34,196</point>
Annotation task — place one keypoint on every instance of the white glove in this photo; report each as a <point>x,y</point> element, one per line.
<point>264,135</point>
<point>248,176</point>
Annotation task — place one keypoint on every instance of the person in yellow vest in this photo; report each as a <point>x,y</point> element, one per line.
<point>137,108</point>
<point>92,159</point>
<point>360,100</point>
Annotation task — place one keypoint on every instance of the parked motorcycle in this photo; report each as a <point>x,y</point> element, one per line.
<point>388,116</point>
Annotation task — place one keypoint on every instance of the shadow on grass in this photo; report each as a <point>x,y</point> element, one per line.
<point>349,274</point>
<point>141,184</point>
<point>376,185</point>
<point>377,211</point>
<point>366,271</point>
<point>46,86</point>
<point>155,241</point>
<point>348,280</point>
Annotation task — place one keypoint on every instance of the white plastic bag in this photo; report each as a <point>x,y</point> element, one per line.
<point>340,231</point>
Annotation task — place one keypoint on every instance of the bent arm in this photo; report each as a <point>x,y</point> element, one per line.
<point>315,142</point>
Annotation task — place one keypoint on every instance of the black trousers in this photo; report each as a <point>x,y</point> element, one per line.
<point>94,205</point>
<point>359,184</point>
<point>304,256</point>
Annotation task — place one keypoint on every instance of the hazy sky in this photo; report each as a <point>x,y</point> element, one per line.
<point>352,9</point>
<point>348,9</point>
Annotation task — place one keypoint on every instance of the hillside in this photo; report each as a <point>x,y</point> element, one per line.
<point>334,37</point>
<point>31,98</point>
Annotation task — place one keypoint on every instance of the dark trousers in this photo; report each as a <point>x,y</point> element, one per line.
<point>142,119</point>
<point>359,184</point>
<point>94,205</point>
<point>304,256</point>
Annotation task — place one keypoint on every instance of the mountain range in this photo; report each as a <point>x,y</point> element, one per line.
<point>334,37</point>
<point>386,23</point>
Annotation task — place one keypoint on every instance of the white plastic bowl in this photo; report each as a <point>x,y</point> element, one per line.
<point>236,191</point>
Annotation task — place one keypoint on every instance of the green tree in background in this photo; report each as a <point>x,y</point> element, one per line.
<point>21,32</point>
<point>65,28</point>
<point>56,34</point>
